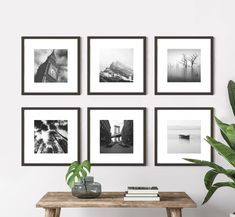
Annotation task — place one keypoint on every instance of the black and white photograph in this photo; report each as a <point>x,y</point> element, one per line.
<point>50,136</point>
<point>116,65</point>
<point>180,133</point>
<point>50,65</point>
<point>184,65</point>
<point>116,136</point>
<point>183,136</point>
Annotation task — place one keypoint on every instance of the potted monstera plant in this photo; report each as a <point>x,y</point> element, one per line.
<point>226,150</point>
<point>82,186</point>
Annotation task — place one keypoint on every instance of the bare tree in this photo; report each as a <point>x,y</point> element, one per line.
<point>192,60</point>
<point>184,62</point>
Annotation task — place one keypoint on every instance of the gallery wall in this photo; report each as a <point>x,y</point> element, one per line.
<point>21,187</point>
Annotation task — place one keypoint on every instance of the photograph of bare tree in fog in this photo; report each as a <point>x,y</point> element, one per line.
<point>50,136</point>
<point>116,136</point>
<point>184,65</point>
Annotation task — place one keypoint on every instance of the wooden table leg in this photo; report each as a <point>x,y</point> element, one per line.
<point>168,212</point>
<point>174,212</point>
<point>57,212</point>
<point>50,212</point>
<point>54,212</point>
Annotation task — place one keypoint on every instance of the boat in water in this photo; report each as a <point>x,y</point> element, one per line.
<point>182,136</point>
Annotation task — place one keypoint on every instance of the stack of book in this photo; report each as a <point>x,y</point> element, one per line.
<point>142,194</point>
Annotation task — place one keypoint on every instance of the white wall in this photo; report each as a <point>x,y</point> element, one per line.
<point>22,187</point>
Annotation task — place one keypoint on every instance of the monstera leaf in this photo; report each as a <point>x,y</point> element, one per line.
<point>77,172</point>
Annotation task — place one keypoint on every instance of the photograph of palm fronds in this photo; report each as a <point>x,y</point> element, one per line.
<point>50,136</point>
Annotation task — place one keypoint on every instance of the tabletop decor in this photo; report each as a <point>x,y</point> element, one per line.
<point>183,65</point>
<point>83,186</point>
<point>50,136</point>
<point>116,65</point>
<point>179,133</point>
<point>50,65</point>
<point>116,136</point>
<point>226,151</point>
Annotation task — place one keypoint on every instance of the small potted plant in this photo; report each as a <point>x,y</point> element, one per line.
<point>82,186</point>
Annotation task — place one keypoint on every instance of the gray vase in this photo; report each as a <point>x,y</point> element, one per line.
<point>86,188</point>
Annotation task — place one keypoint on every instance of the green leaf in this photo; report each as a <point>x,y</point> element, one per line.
<point>215,187</point>
<point>225,151</point>
<point>228,132</point>
<point>209,178</point>
<point>221,125</point>
<point>77,171</point>
<point>207,163</point>
<point>231,93</point>
<point>86,164</point>
<point>231,173</point>
<point>71,181</point>
<point>226,138</point>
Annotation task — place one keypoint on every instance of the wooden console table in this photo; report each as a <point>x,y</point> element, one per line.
<point>174,202</point>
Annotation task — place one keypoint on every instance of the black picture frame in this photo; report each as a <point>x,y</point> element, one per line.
<point>211,109</point>
<point>211,38</point>
<point>23,109</point>
<point>89,109</point>
<point>23,38</point>
<point>89,38</point>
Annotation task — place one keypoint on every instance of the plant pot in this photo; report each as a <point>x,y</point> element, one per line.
<point>232,214</point>
<point>86,188</point>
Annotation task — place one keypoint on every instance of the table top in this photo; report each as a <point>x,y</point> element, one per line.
<point>114,200</point>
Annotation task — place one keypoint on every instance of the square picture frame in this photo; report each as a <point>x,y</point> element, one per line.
<point>50,65</point>
<point>50,136</point>
<point>116,65</point>
<point>181,136</point>
<point>184,65</point>
<point>116,136</point>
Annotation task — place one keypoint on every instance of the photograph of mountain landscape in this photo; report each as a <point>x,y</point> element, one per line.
<point>116,65</point>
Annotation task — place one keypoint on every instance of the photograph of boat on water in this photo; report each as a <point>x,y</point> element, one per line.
<point>180,133</point>
<point>184,136</point>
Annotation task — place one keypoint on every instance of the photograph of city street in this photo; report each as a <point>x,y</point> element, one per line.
<point>50,65</point>
<point>116,65</point>
<point>50,136</point>
<point>116,136</point>
<point>184,65</point>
